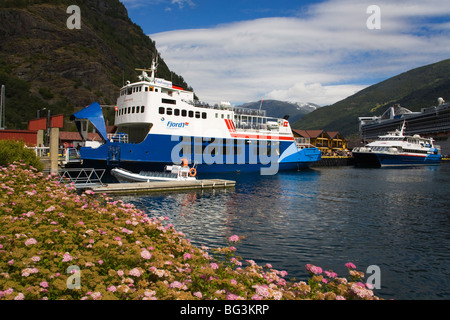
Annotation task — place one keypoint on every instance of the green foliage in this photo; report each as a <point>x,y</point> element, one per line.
<point>11,151</point>
<point>46,93</point>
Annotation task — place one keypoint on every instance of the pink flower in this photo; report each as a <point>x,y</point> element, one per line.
<point>331,274</point>
<point>313,269</point>
<point>112,289</point>
<point>214,265</point>
<point>30,241</point>
<point>50,209</point>
<point>145,254</point>
<point>20,296</point>
<point>350,265</point>
<point>198,294</point>
<point>263,291</point>
<point>44,284</point>
<point>187,256</point>
<point>176,284</point>
<point>234,238</point>
<point>135,272</point>
<point>232,296</point>
<point>67,257</point>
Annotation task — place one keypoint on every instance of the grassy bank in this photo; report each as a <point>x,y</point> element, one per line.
<point>56,244</point>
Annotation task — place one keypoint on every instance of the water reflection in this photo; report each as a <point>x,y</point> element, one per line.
<point>396,219</point>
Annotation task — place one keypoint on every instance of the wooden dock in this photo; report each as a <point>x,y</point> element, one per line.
<point>160,186</point>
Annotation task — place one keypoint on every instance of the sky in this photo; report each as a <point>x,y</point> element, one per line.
<point>291,50</point>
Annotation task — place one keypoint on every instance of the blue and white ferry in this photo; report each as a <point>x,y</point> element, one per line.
<point>395,149</point>
<point>159,124</point>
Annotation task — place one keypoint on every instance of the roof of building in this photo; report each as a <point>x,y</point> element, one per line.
<point>317,133</point>
<point>75,136</point>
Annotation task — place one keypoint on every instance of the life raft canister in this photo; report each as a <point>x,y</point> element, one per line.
<point>192,172</point>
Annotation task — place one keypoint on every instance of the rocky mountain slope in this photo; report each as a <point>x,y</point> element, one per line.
<point>45,64</point>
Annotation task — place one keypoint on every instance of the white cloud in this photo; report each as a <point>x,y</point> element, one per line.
<point>321,56</point>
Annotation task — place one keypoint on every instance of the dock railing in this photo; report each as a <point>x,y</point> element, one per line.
<point>82,177</point>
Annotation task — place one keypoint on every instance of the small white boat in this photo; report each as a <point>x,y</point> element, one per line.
<point>172,173</point>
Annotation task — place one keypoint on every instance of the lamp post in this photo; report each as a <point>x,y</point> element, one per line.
<point>47,123</point>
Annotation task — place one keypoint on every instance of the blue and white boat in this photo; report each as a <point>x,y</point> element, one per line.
<point>396,149</point>
<point>158,124</point>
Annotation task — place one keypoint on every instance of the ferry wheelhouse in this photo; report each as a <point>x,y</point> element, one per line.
<point>158,124</point>
<point>397,149</point>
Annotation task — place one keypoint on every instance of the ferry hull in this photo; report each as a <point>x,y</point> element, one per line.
<point>157,151</point>
<point>377,160</point>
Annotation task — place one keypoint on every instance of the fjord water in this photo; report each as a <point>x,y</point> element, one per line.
<point>397,219</point>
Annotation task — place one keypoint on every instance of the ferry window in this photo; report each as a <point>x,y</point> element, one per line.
<point>169,101</point>
<point>183,113</point>
<point>176,112</point>
<point>129,110</point>
<point>156,89</point>
<point>191,114</point>
<point>161,110</point>
<point>169,111</point>
<point>217,115</point>
<point>228,116</point>
<point>203,115</point>
<point>129,91</point>
<point>142,109</point>
<point>222,115</point>
<point>197,114</point>
<point>146,89</point>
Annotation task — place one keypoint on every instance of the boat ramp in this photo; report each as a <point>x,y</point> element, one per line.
<point>91,179</point>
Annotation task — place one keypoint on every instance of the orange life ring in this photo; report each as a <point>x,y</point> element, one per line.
<point>192,172</point>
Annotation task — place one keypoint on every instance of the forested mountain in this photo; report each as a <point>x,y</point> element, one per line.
<point>414,89</point>
<point>46,64</point>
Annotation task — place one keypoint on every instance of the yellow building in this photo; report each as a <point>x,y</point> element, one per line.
<point>328,142</point>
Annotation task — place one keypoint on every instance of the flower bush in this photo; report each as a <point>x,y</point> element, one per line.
<point>58,244</point>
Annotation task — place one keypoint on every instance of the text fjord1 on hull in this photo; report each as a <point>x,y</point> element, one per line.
<point>158,124</point>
